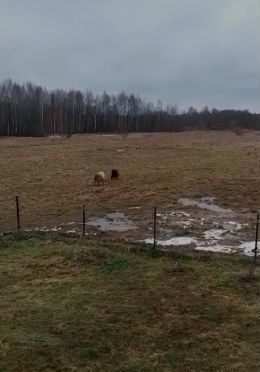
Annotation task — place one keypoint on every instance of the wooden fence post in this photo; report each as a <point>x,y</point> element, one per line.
<point>83,221</point>
<point>17,213</point>
<point>154,228</point>
<point>255,250</point>
<point>256,236</point>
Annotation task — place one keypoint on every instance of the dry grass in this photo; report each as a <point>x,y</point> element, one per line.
<point>86,306</point>
<point>54,177</point>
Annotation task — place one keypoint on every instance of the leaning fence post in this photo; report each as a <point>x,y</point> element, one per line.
<point>83,220</point>
<point>154,228</point>
<point>17,213</point>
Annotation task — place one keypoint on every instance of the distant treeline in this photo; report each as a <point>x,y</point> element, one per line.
<point>30,110</point>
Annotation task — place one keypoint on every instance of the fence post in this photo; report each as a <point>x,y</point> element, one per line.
<point>154,228</point>
<point>83,220</point>
<point>17,213</point>
<point>253,266</point>
<point>256,236</point>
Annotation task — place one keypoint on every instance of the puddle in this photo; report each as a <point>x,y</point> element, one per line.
<point>248,247</point>
<point>116,221</point>
<point>180,240</point>
<point>218,233</point>
<point>203,203</point>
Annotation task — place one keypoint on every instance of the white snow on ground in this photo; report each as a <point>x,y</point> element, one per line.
<point>214,234</point>
<point>248,247</point>
<point>217,248</point>
<point>180,240</point>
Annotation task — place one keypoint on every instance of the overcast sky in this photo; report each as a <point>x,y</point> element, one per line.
<point>189,52</point>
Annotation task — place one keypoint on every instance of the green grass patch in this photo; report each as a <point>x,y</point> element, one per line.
<point>115,263</point>
<point>84,305</point>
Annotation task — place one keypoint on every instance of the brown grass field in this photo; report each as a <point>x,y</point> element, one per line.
<point>54,176</point>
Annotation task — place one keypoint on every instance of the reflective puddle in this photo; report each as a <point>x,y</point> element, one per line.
<point>116,221</point>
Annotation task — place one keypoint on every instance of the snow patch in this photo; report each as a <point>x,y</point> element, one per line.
<point>180,240</point>
<point>214,234</point>
<point>249,247</point>
<point>216,248</point>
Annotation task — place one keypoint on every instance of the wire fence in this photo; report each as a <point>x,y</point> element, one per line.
<point>16,218</point>
<point>18,215</point>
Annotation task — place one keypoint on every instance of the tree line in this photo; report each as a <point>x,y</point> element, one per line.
<point>30,110</point>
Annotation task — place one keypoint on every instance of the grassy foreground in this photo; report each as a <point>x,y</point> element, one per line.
<point>73,305</point>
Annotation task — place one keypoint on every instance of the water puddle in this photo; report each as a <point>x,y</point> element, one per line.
<point>203,203</point>
<point>213,234</point>
<point>116,221</point>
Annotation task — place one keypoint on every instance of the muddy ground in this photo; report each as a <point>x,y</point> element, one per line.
<point>200,223</point>
<point>54,178</point>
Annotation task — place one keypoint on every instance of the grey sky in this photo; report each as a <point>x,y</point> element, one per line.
<point>192,52</point>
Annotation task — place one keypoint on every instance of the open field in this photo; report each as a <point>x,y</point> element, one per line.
<point>93,305</point>
<point>85,305</point>
<point>54,177</point>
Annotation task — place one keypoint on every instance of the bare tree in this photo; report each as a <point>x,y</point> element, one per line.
<point>30,110</point>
